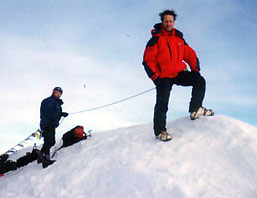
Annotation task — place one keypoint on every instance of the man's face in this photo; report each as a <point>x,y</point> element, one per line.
<point>57,94</point>
<point>168,22</point>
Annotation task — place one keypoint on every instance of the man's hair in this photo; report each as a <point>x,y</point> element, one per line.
<point>168,12</point>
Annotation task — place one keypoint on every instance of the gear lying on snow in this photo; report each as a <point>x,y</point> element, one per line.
<point>73,136</point>
<point>9,165</point>
<point>69,138</point>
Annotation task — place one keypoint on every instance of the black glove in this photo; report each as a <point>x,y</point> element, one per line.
<point>196,73</point>
<point>157,81</point>
<point>64,114</point>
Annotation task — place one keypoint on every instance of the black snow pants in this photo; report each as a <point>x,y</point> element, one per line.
<point>49,139</point>
<point>163,89</point>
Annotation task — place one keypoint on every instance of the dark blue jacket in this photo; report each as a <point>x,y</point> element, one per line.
<point>50,112</point>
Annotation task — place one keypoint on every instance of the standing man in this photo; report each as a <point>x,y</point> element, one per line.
<point>50,115</point>
<point>164,62</point>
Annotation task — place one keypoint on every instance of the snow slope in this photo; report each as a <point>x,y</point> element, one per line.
<point>210,157</point>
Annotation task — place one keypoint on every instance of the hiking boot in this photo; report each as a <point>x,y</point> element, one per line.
<point>40,157</point>
<point>201,112</point>
<point>46,161</point>
<point>164,136</point>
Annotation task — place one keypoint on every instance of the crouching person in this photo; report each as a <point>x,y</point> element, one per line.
<point>28,158</point>
<point>9,165</point>
<point>6,165</point>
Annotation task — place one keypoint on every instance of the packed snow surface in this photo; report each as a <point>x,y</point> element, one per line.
<point>210,157</point>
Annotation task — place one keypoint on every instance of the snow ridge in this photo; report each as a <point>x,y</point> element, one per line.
<point>210,157</point>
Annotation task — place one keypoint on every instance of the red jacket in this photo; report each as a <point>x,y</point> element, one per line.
<point>166,53</point>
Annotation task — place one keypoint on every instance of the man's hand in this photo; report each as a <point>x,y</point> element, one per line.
<point>196,73</point>
<point>64,114</point>
<point>157,81</point>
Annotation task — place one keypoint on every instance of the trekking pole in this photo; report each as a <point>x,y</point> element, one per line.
<point>56,151</point>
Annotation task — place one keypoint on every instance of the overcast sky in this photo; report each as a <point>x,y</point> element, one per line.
<point>93,49</point>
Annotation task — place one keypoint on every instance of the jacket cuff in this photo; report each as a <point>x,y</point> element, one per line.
<point>198,70</point>
<point>154,77</point>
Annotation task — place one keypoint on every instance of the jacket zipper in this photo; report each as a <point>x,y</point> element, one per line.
<point>169,50</point>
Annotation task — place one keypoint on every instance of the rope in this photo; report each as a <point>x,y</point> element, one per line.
<point>37,134</point>
<point>119,101</point>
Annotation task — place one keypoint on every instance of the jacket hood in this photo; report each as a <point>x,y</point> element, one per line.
<point>158,30</point>
<point>158,26</point>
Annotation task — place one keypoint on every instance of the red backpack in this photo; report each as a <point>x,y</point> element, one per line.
<point>73,136</point>
<point>79,131</point>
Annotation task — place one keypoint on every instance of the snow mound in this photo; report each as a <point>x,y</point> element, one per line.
<point>210,157</point>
